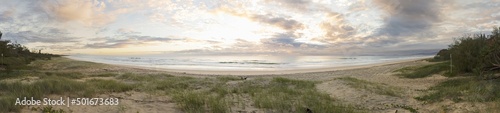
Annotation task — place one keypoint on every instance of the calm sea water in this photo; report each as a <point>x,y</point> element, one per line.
<point>241,62</point>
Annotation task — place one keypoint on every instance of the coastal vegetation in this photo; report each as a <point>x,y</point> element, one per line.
<point>472,65</point>
<point>15,56</point>
<point>478,54</point>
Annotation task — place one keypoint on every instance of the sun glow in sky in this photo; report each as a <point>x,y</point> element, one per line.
<point>249,26</point>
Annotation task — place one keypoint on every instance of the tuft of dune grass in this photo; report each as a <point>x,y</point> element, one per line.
<point>423,71</point>
<point>377,88</point>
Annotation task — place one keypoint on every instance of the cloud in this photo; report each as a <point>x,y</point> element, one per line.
<point>48,35</point>
<point>131,40</point>
<point>90,13</point>
<point>336,28</point>
<point>284,23</point>
<point>281,40</point>
<point>126,37</point>
<point>408,17</point>
<point>279,43</point>
<point>126,31</point>
<point>296,5</point>
<point>7,15</point>
<point>59,48</point>
<point>487,18</point>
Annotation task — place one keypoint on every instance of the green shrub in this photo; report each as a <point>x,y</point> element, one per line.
<point>476,53</point>
<point>466,52</point>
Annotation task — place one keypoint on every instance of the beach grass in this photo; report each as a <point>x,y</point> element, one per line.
<point>423,71</point>
<point>198,102</point>
<point>377,88</point>
<point>14,74</point>
<point>104,75</point>
<point>469,89</point>
<point>70,75</point>
<point>287,95</point>
<point>61,63</point>
<point>228,78</point>
<point>142,77</point>
<point>215,94</point>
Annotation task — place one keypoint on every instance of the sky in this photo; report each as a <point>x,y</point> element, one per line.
<point>306,27</point>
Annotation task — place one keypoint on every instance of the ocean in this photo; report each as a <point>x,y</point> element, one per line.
<point>241,62</point>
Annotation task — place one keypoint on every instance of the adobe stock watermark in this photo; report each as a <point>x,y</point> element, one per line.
<point>45,101</point>
<point>67,101</point>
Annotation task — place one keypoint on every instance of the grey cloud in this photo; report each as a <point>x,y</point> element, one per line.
<point>381,42</point>
<point>108,44</point>
<point>60,48</point>
<point>49,35</point>
<point>347,28</point>
<point>298,5</point>
<point>284,23</point>
<point>125,37</point>
<point>131,40</point>
<point>281,40</point>
<point>408,17</point>
<point>31,15</point>
<point>7,16</point>
<point>286,40</point>
<point>55,31</point>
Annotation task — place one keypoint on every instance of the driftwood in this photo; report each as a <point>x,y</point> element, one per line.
<point>495,66</point>
<point>496,61</point>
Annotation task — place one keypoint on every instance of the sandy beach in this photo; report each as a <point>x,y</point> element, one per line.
<point>333,82</point>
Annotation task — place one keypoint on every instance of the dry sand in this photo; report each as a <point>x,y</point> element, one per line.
<point>337,89</point>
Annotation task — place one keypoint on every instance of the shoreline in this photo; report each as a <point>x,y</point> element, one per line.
<point>262,72</point>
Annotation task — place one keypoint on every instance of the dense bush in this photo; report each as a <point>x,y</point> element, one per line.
<point>476,53</point>
<point>466,52</point>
